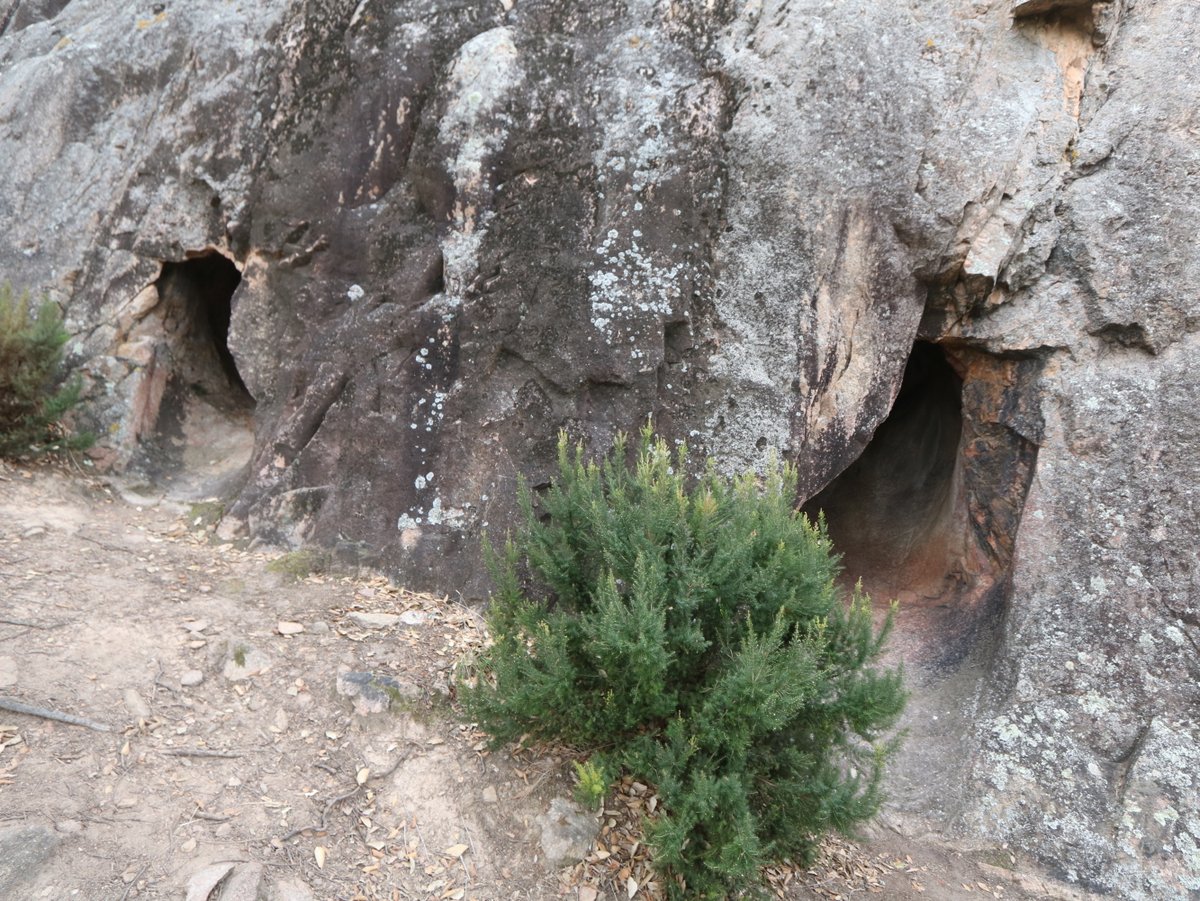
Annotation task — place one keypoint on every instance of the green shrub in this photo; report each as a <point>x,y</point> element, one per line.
<point>695,638</point>
<point>299,564</point>
<point>592,784</point>
<point>33,397</point>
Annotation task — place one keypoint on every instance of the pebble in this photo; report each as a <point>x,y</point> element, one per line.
<point>490,796</point>
<point>33,532</point>
<point>374,620</point>
<point>196,625</point>
<point>567,832</point>
<point>374,693</point>
<point>191,678</point>
<point>242,661</point>
<point>68,827</point>
<point>189,846</point>
<point>320,627</point>
<point>136,705</point>
<point>286,627</point>
<point>413,617</point>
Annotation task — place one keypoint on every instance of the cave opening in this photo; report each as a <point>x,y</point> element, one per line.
<point>198,296</point>
<point>893,513</point>
<point>196,415</point>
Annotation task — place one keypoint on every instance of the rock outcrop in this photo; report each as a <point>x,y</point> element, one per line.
<point>941,253</point>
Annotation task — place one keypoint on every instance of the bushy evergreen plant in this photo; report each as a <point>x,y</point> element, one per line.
<point>33,397</point>
<point>691,633</point>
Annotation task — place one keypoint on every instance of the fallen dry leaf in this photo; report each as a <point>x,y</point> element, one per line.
<point>319,855</point>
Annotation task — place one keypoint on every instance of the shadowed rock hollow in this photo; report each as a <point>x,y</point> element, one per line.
<point>942,255</point>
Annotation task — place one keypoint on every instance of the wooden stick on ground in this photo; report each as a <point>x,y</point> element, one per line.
<point>29,710</point>
<point>198,752</point>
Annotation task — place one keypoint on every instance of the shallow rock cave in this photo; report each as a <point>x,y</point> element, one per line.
<point>928,513</point>
<point>197,295</point>
<point>203,427</point>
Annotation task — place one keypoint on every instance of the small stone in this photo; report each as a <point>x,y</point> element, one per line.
<point>33,532</point>
<point>126,803</point>
<point>224,831</point>
<point>413,617</point>
<point>286,627</point>
<point>245,883</point>
<point>196,626</point>
<point>189,846</point>
<point>568,832</point>
<point>490,796</point>
<point>280,723</point>
<point>373,620</point>
<point>200,886</point>
<point>191,678</point>
<point>136,705</point>
<point>373,693</point>
<point>320,627</point>
<point>242,661</point>
<point>587,893</point>
<point>68,827</point>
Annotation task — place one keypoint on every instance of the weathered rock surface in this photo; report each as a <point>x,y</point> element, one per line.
<point>567,832</point>
<point>378,256</point>
<point>374,692</point>
<point>22,850</point>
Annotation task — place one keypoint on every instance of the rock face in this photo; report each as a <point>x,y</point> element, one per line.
<point>363,262</point>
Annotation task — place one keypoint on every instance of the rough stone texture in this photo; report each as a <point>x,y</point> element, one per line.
<point>460,226</point>
<point>240,660</point>
<point>373,620</point>
<point>22,850</point>
<point>374,693</point>
<point>567,833</point>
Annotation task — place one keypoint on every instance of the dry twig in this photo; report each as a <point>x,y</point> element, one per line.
<point>69,719</point>
<point>198,752</point>
<point>319,826</point>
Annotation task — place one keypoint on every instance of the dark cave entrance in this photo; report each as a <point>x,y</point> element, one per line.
<point>198,296</point>
<point>198,425</point>
<point>891,513</point>
<point>928,514</point>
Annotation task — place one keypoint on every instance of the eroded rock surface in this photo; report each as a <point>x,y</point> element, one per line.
<point>453,228</point>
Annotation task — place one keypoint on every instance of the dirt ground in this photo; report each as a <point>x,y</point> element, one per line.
<point>233,768</point>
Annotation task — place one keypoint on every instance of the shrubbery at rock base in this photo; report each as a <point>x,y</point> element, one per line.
<point>696,638</point>
<point>33,397</point>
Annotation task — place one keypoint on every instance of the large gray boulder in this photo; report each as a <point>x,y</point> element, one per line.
<point>357,262</point>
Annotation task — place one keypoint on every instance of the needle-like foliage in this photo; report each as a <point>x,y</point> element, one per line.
<point>32,398</point>
<point>691,632</point>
